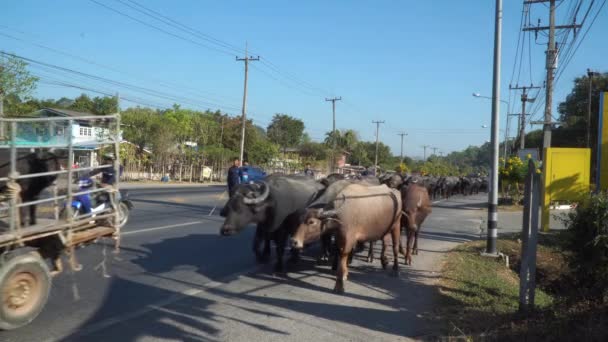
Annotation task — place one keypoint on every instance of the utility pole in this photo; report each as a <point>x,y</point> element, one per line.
<point>2,135</point>
<point>333,131</point>
<point>402,135</point>
<point>590,75</point>
<point>522,115</point>
<point>550,65</point>
<point>434,150</point>
<point>425,147</point>
<point>246,59</point>
<point>493,195</point>
<point>377,136</point>
<point>441,153</point>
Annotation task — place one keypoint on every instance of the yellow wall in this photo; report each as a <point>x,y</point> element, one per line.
<point>566,178</point>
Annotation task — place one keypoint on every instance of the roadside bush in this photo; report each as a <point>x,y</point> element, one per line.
<point>587,240</point>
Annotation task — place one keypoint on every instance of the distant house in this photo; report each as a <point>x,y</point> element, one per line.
<point>86,136</point>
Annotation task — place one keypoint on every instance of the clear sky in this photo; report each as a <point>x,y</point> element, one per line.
<point>413,64</point>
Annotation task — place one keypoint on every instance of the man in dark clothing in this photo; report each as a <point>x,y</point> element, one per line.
<point>308,171</point>
<point>233,176</point>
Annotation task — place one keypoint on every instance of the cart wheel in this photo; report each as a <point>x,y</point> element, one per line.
<point>25,283</point>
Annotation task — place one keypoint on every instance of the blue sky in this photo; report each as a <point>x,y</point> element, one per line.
<point>413,64</point>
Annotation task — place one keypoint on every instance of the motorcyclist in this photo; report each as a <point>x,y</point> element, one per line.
<point>108,173</point>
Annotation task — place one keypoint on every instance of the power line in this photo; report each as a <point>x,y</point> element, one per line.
<point>165,84</point>
<point>159,29</point>
<point>144,90</point>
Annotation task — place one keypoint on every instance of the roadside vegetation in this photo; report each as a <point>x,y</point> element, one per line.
<point>480,294</point>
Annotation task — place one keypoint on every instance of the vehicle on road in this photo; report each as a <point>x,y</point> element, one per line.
<point>86,204</point>
<point>252,174</point>
<point>25,176</point>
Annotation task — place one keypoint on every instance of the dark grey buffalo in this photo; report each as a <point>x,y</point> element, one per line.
<point>275,205</point>
<point>38,162</point>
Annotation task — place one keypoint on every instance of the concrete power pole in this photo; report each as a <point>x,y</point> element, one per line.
<point>425,147</point>
<point>246,60</point>
<point>402,135</point>
<point>434,150</point>
<point>590,75</point>
<point>493,195</point>
<point>333,131</point>
<point>550,65</point>
<point>522,115</point>
<point>377,136</point>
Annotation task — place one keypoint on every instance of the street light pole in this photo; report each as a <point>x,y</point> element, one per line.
<point>493,195</point>
<point>508,126</point>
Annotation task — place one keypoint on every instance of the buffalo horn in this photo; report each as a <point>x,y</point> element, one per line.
<point>259,199</point>
<point>324,214</point>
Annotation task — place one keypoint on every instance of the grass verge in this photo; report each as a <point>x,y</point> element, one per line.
<point>480,297</point>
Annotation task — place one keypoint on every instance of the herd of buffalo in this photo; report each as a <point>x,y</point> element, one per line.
<point>341,212</point>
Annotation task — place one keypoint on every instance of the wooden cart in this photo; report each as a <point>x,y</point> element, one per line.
<point>31,255</point>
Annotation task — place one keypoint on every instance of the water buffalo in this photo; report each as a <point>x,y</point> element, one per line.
<point>359,213</point>
<point>332,178</point>
<point>393,181</point>
<point>416,207</point>
<point>38,162</point>
<point>326,197</point>
<point>275,205</point>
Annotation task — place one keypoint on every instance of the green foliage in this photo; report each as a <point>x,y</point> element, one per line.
<point>15,79</point>
<point>346,140</point>
<point>262,151</point>
<point>312,151</point>
<point>474,159</point>
<point>438,167</point>
<point>286,131</point>
<point>588,245</point>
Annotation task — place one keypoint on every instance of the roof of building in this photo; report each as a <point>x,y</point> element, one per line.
<point>60,112</point>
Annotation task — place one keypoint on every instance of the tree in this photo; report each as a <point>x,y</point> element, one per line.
<point>313,151</point>
<point>82,103</point>
<point>346,140</point>
<point>138,126</point>
<point>286,131</point>
<point>15,82</point>
<point>104,105</point>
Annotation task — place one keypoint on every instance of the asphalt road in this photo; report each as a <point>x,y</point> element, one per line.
<point>176,279</point>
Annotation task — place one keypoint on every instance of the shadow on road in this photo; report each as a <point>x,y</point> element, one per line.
<point>374,301</point>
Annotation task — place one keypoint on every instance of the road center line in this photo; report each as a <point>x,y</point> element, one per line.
<point>161,227</point>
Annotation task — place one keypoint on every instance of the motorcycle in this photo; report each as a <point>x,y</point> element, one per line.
<point>98,202</point>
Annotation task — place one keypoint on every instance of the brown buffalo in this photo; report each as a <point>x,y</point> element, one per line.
<point>416,207</point>
<point>359,213</point>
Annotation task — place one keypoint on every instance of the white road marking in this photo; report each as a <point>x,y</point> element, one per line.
<point>219,199</point>
<point>161,227</point>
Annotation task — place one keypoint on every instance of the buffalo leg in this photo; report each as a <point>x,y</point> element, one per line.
<point>396,237</point>
<point>409,242</point>
<point>415,249</point>
<point>259,238</point>
<point>335,255</point>
<point>32,215</point>
<point>342,274</point>
<point>370,253</point>
<point>326,248</point>
<point>281,241</point>
<point>383,258</point>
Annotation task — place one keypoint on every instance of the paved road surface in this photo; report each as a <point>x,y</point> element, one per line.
<point>176,279</point>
